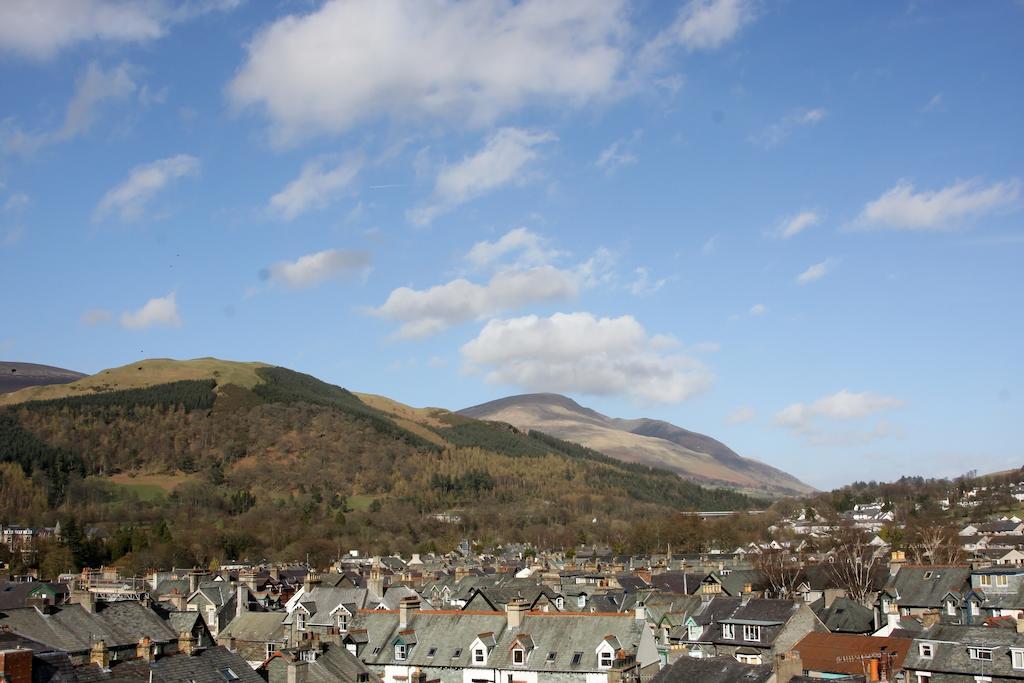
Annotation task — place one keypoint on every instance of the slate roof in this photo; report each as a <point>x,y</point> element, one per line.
<point>713,670</point>
<point>822,651</point>
<point>847,616</point>
<point>926,586</point>
<point>205,667</point>
<point>72,628</point>
<point>674,582</point>
<point>449,631</point>
<point>951,654</point>
<point>256,627</point>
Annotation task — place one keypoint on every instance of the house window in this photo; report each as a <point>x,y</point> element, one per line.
<point>362,677</point>
<point>376,651</point>
<point>400,652</point>
<point>479,656</point>
<point>924,677</point>
<point>749,659</point>
<point>693,632</point>
<point>228,674</point>
<point>431,652</point>
<point>926,650</point>
<point>518,657</point>
<point>1003,580</point>
<point>577,657</point>
<point>342,621</point>
<point>752,633</point>
<point>300,621</point>
<point>974,608</point>
<point>604,660</point>
<point>551,657</point>
<point>728,631</point>
<point>982,653</point>
<point>927,575</point>
<point>985,580</point>
<point>950,608</point>
<point>1017,657</point>
<point>271,648</point>
<point>457,653</point>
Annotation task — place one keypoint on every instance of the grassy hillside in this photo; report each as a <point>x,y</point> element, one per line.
<point>286,464</point>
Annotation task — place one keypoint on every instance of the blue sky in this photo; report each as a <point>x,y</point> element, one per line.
<point>794,226</point>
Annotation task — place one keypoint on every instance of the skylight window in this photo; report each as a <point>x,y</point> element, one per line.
<point>577,657</point>
<point>228,674</point>
<point>551,656</point>
<point>431,652</point>
<point>457,653</point>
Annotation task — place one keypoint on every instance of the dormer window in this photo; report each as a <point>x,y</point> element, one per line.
<point>926,650</point>
<point>981,653</point>
<point>401,651</point>
<point>479,655</point>
<point>604,660</point>
<point>300,620</point>
<point>518,656</point>
<point>693,632</point>
<point>342,621</point>
<point>728,631</point>
<point>752,633</point>
<point>950,608</point>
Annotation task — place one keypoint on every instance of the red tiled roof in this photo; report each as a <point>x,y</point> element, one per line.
<point>820,651</point>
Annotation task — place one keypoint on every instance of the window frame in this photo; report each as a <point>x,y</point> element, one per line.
<point>480,655</point>
<point>605,659</point>
<point>728,631</point>
<point>926,650</point>
<point>976,652</point>
<point>518,656</point>
<point>751,630</point>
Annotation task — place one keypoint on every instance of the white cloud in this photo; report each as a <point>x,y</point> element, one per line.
<point>315,268</point>
<point>16,202</point>
<point>317,186</point>
<point>97,316</point>
<point>774,134</point>
<point>933,104</point>
<point>643,284</point>
<point>757,310</point>
<point>578,352</point>
<point>815,272</point>
<point>901,208</point>
<point>709,24</point>
<point>532,249</point>
<point>618,154</point>
<point>741,415</point>
<point>503,160</point>
<point>794,225</point>
<point>39,29</point>
<point>426,312</point>
<point>803,419</point>
<point>159,311</point>
<point>94,87</point>
<point>356,60</point>
<point>129,198</point>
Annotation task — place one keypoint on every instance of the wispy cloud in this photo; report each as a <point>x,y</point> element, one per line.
<point>741,415</point>
<point>318,185</point>
<point>757,310</point>
<point>903,208</point>
<point>804,419</point>
<point>775,133</point>
<point>816,272</point>
<point>129,198</point>
<point>618,154</point>
<point>793,225</point>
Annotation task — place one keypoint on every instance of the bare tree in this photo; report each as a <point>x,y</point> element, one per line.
<point>780,568</point>
<point>935,544</point>
<point>854,563</point>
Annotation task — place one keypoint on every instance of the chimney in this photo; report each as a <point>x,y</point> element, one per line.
<point>241,600</point>
<point>178,600</point>
<point>640,612</point>
<point>144,649</point>
<point>311,582</point>
<point>406,607</point>
<point>16,666</point>
<point>99,655</point>
<point>193,581</point>
<point>419,676</point>
<point>748,588</point>
<point>897,559</point>
<point>275,573</point>
<point>376,583</point>
<point>514,612</point>
<point>85,598</point>
<point>186,643</point>
<point>248,577</point>
<point>298,672</point>
<point>787,666</point>
<point>1020,625</point>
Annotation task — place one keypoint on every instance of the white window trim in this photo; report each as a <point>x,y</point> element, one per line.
<point>518,656</point>
<point>926,650</point>
<point>1017,658</point>
<point>401,651</point>
<point>752,633</point>
<point>479,655</point>
<point>728,631</point>
<point>605,659</point>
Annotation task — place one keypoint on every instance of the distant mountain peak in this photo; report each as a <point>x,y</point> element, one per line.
<point>642,440</point>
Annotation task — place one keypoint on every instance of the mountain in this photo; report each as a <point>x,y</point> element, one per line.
<point>15,376</point>
<point>649,442</point>
<point>187,462</point>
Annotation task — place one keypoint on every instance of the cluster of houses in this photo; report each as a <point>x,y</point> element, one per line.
<point>511,616</point>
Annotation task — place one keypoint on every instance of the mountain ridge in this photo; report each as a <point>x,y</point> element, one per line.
<point>657,443</point>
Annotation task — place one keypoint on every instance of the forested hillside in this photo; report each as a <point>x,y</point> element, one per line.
<point>196,470</point>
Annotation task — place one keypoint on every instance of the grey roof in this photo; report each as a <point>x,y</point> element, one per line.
<point>713,670</point>
<point>448,632</point>
<point>73,629</point>
<point>923,586</point>
<point>847,616</point>
<point>951,645</point>
<point>205,667</point>
<point>256,627</point>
